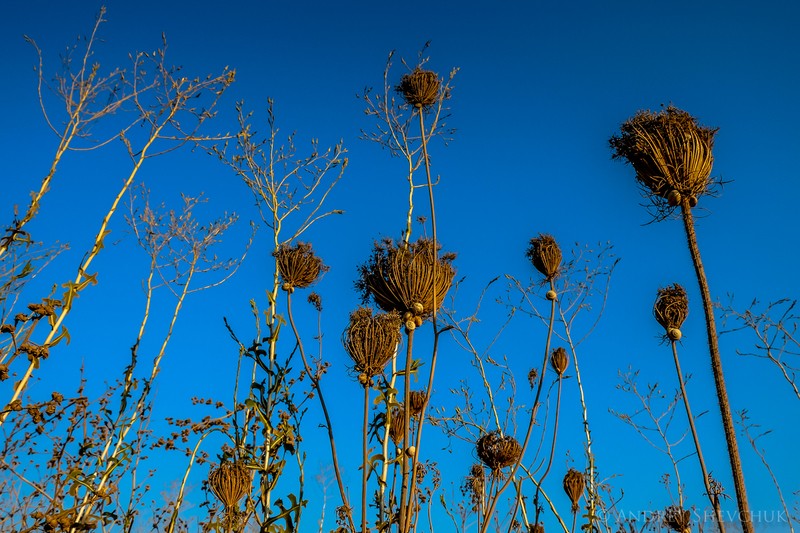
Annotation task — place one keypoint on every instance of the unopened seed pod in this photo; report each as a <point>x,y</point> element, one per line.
<point>674,198</point>
<point>559,360</point>
<point>411,451</point>
<point>418,320</point>
<point>692,201</point>
<point>410,325</point>
<point>418,308</point>
<point>674,334</point>
<point>551,295</point>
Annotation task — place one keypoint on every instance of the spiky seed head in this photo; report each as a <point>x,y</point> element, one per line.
<point>559,360</point>
<point>298,266</point>
<point>417,402</point>
<point>498,452</point>
<point>420,88</point>
<point>671,307</point>
<point>229,482</point>
<point>574,485</point>
<point>371,340</point>
<point>669,150</point>
<point>408,278</point>
<point>678,519</point>
<point>545,254</point>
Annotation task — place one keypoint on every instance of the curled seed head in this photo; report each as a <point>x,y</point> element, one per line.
<point>545,254</point>
<point>559,360</point>
<point>498,452</point>
<point>678,519</point>
<point>671,307</point>
<point>574,485</point>
<point>420,88</point>
<point>371,340</point>
<point>298,266</point>
<point>229,482</point>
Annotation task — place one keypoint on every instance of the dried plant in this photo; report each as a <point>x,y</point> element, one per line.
<point>559,360</point>
<point>545,255</point>
<point>574,485</point>
<point>498,451</point>
<point>671,309</point>
<point>230,482</point>
<point>420,88</point>
<point>371,341</point>
<point>298,266</point>
<point>678,519</point>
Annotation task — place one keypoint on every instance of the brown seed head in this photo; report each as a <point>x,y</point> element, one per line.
<point>532,375</point>
<point>559,360</point>
<point>371,340</point>
<point>497,452</point>
<point>298,266</point>
<point>398,422</point>
<point>669,151</point>
<point>535,528</point>
<point>545,254</point>
<point>678,519</point>
<point>7,328</point>
<point>405,278</point>
<point>229,482</point>
<point>671,307</point>
<point>574,485</point>
<point>420,88</point>
<point>417,402</point>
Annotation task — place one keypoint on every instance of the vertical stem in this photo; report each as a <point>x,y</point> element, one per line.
<point>364,459</point>
<point>552,452</point>
<point>404,523</point>
<point>716,368</point>
<point>714,499</point>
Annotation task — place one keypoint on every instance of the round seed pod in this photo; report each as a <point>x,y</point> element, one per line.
<point>229,482</point>
<point>674,334</point>
<point>693,201</point>
<point>678,519</point>
<point>420,88</point>
<point>559,360</point>
<point>545,255</point>
<point>370,341</point>
<point>498,452</point>
<point>674,198</point>
<point>411,451</point>
<point>407,278</point>
<point>298,266</point>
<point>669,151</point>
<point>417,402</point>
<point>551,295</point>
<point>574,485</point>
<point>671,307</point>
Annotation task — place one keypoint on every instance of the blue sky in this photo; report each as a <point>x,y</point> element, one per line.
<point>541,88</point>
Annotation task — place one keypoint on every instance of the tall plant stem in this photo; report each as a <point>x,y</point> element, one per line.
<point>494,498</point>
<point>714,499</point>
<point>364,432</point>
<point>404,484</point>
<point>552,452</point>
<point>328,425</point>
<point>716,368</point>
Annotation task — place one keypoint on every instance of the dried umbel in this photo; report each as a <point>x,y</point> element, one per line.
<point>407,278</point>
<point>417,402</point>
<point>397,421</point>
<point>474,484</point>
<point>229,482</point>
<point>671,309</point>
<point>497,452</point>
<point>298,266</point>
<point>669,151</point>
<point>371,340</point>
<point>678,519</point>
<point>574,485</point>
<point>559,360</point>
<point>420,88</point>
<point>544,253</point>
<point>535,528</point>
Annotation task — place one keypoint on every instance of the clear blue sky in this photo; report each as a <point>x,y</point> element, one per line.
<point>541,88</point>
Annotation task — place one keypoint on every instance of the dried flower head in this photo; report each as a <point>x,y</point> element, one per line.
<point>671,307</point>
<point>669,151</point>
<point>397,421</point>
<point>545,254</point>
<point>497,452</point>
<point>535,528</point>
<point>419,88</point>
<point>417,402</point>
<point>407,278</point>
<point>474,484</point>
<point>532,375</point>
<point>298,266</point>
<point>371,340</point>
<point>559,360</point>
<point>229,482</point>
<point>574,485</point>
<point>678,519</point>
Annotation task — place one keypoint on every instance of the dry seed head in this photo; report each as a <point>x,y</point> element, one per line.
<point>417,402</point>
<point>535,528</point>
<point>407,278</point>
<point>545,254</point>
<point>371,340</point>
<point>669,151</point>
<point>559,360</point>
<point>299,267</point>
<point>420,88</point>
<point>497,452</point>
<point>671,307</point>
<point>398,422</point>
<point>574,485</point>
<point>475,483</point>
<point>678,519</point>
<point>229,482</point>
<point>532,375</point>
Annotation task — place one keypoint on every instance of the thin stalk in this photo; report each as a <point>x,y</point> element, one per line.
<point>534,410</point>
<point>404,523</point>
<point>711,496</point>
<point>552,450</point>
<point>328,425</point>
<point>716,368</point>
<point>364,431</point>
